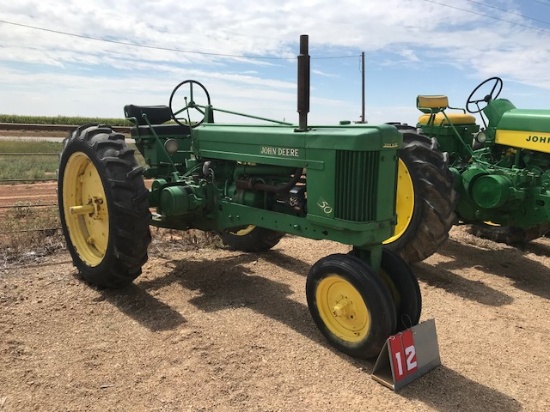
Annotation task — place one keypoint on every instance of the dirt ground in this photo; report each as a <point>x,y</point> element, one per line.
<point>215,330</point>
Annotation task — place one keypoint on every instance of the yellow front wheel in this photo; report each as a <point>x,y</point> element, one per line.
<point>103,206</point>
<point>350,305</point>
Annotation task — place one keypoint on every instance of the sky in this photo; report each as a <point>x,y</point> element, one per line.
<point>90,58</point>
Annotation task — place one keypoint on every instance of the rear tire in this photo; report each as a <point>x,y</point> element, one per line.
<point>251,238</point>
<point>510,235</point>
<point>426,199</point>
<point>103,206</point>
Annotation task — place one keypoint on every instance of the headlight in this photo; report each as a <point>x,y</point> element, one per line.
<point>481,137</point>
<point>171,146</point>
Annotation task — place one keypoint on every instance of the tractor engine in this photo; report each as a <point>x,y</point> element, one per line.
<point>276,169</point>
<point>504,195</point>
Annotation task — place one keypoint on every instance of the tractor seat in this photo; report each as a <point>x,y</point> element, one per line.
<point>433,106</point>
<point>155,114</point>
<point>439,119</point>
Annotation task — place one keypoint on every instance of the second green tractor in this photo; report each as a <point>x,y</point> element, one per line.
<point>495,176</point>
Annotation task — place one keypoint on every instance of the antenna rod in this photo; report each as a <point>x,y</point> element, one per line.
<point>303,83</point>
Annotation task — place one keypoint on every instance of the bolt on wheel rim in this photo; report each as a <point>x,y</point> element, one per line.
<point>342,309</point>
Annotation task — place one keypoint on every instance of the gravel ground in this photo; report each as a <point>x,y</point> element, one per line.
<point>215,330</point>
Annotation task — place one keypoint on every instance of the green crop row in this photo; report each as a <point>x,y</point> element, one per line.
<point>61,120</point>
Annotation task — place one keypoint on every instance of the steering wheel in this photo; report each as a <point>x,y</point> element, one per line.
<point>191,113</point>
<point>494,93</point>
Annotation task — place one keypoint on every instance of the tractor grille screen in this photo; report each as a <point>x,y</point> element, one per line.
<point>356,185</point>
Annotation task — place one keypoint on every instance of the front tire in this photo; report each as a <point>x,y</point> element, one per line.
<point>103,206</point>
<point>404,289</point>
<point>426,199</point>
<point>350,305</point>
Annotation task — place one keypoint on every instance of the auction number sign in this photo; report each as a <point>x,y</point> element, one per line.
<point>407,355</point>
<point>403,354</point>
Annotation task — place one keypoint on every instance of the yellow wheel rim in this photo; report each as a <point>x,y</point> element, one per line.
<point>85,209</point>
<point>244,231</point>
<point>342,309</point>
<point>404,204</point>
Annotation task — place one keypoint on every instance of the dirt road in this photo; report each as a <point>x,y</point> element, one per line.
<point>214,330</point>
<point>35,193</point>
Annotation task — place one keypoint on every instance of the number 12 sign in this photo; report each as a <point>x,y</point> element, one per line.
<point>407,355</point>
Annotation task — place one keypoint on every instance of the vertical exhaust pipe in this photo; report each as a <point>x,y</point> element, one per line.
<point>303,83</point>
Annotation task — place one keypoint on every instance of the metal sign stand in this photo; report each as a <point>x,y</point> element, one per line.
<point>407,355</point>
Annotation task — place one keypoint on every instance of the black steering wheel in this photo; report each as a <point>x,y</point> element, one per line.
<point>191,113</point>
<point>493,94</point>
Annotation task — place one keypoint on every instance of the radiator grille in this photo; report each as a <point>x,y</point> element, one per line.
<point>356,185</point>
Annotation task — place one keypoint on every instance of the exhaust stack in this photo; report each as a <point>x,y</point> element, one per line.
<point>303,83</point>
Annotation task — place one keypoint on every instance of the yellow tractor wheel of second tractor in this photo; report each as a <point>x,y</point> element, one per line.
<point>404,204</point>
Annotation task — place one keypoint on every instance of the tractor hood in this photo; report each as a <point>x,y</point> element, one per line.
<point>536,121</point>
<point>525,129</point>
<point>283,146</point>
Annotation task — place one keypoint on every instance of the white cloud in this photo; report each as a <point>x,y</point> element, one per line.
<point>46,71</point>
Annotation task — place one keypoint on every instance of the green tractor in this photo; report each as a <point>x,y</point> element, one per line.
<point>251,183</point>
<point>495,177</point>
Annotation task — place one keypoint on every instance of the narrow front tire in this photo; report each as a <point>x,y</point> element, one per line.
<point>350,305</point>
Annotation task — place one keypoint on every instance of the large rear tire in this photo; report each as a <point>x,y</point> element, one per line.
<point>510,235</point>
<point>426,199</point>
<point>103,206</point>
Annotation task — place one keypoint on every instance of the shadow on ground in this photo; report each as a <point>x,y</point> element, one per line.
<point>525,273</point>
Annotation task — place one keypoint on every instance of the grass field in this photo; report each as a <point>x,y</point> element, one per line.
<point>61,120</point>
<point>33,160</point>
